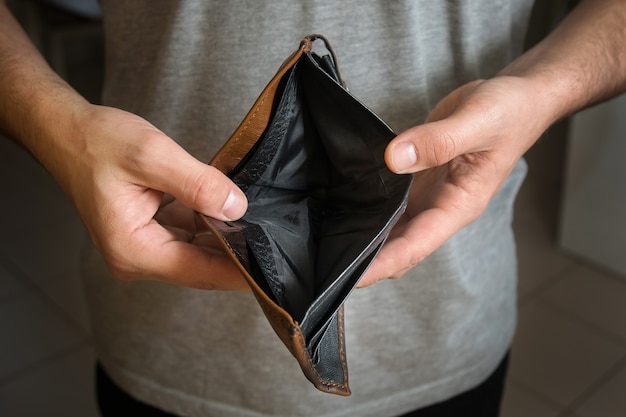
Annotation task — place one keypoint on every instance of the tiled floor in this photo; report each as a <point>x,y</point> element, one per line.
<point>569,357</point>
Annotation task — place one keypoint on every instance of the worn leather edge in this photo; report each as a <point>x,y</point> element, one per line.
<point>255,122</point>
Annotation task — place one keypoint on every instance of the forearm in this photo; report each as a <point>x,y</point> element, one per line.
<point>581,63</point>
<point>37,108</point>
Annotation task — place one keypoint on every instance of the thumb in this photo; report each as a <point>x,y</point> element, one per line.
<point>449,131</point>
<point>428,145</point>
<point>195,184</point>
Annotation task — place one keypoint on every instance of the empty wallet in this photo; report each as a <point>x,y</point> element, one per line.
<point>310,158</point>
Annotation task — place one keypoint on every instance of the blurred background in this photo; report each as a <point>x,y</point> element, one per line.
<point>569,355</point>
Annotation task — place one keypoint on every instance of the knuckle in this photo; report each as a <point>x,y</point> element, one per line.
<point>409,259</point>
<point>201,189</point>
<point>473,204</point>
<point>442,148</point>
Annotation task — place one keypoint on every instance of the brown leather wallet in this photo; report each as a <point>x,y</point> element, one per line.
<point>321,202</point>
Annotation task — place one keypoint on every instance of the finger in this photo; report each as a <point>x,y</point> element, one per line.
<point>453,128</point>
<point>422,236</point>
<point>189,265</point>
<point>175,214</point>
<point>432,144</point>
<point>157,254</point>
<point>169,168</point>
<point>439,206</point>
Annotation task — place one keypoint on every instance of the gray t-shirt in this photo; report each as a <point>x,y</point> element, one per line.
<point>193,68</point>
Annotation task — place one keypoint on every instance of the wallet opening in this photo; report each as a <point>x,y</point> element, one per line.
<point>319,196</point>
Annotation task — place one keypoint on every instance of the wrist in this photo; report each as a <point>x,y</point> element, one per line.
<point>37,108</point>
<point>51,128</point>
<point>582,62</point>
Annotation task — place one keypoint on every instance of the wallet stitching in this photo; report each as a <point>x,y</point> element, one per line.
<point>342,351</point>
<point>302,344</point>
<point>252,117</point>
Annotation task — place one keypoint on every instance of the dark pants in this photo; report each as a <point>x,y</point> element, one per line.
<point>482,401</point>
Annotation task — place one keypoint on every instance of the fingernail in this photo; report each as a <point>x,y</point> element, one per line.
<point>234,206</point>
<point>404,156</point>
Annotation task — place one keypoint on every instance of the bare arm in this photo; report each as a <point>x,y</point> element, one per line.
<point>475,136</point>
<point>116,168</point>
<point>582,62</point>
